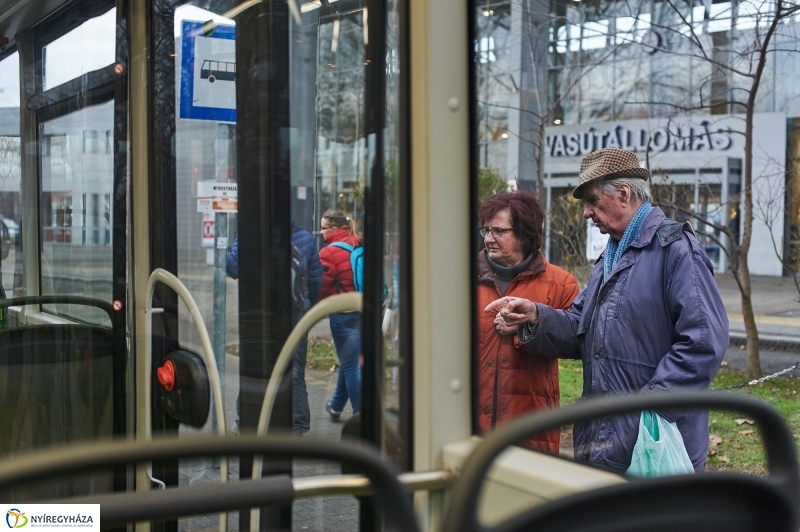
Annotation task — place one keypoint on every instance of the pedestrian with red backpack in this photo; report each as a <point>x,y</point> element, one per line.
<point>340,233</point>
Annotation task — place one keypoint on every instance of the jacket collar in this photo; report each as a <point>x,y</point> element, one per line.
<point>339,235</point>
<point>646,233</point>
<point>485,273</point>
<point>648,230</point>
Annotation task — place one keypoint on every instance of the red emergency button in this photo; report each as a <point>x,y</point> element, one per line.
<point>166,375</point>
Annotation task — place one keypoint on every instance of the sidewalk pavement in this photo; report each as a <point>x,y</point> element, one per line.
<point>774,303</point>
<point>776,306</point>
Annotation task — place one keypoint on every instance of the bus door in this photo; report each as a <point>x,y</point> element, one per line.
<point>243,169</point>
<point>63,361</point>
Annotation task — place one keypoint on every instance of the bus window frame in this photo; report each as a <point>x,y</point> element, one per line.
<point>59,23</point>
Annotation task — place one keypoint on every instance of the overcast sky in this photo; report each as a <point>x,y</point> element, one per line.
<point>9,81</point>
<point>86,48</point>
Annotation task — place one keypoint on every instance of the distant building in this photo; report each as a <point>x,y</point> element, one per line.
<point>609,71</point>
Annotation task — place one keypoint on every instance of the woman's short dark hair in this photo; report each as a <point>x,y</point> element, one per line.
<point>527,216</point>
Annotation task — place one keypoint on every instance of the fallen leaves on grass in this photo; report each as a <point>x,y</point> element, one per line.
<point>713,442</point>
<point>746,432</point>
<point>743,421</point>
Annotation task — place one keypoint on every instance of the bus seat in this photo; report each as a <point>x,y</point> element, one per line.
<point>701,502</point>
<point>56,387</point>
<point>118,508</point>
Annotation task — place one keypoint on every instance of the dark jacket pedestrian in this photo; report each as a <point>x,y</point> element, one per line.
<point>304,242</point>
<point>307,246</point>
<point>651,317</point>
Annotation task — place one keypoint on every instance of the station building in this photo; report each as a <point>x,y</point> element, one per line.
<point>666,80</point>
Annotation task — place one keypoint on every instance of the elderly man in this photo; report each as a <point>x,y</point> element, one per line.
<point>651,317</point>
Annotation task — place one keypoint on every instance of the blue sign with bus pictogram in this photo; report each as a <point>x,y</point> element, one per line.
<point>208,71</point>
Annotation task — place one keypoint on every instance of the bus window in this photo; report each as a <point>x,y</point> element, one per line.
<point>57,152</point>
<point>541,236</point>
<point>88,47</point>
<point>10,165</point>
<point>222,220</point>
<point>75,206</point>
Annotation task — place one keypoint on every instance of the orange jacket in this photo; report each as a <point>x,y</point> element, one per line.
<point>512,380</point>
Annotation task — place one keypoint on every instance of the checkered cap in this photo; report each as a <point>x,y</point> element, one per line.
<point>608,163</point>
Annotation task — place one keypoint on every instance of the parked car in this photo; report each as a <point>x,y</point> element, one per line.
<point>6,242</point>
<point>13,228</point>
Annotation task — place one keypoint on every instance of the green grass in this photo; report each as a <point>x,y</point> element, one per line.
<point>321,355</point>
<point>733,446</point>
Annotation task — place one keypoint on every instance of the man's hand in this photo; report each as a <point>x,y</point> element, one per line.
<point>512,312</point>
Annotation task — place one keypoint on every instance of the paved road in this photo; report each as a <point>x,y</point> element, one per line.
<point>772,361</point>
<point>334,514</point>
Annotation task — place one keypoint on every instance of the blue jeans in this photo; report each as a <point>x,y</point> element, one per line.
<point>346,332</point>
<point>301,415</point>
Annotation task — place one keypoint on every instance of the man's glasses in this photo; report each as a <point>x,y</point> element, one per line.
<point>497,232</point>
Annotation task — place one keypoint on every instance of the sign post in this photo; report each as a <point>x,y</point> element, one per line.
<point>208,230</point>
<point>215,201</point>
<point>220,297</point>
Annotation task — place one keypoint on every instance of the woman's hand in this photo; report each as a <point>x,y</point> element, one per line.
<point>511,313</point>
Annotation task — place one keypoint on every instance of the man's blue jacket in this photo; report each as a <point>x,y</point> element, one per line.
<point>657,323</point>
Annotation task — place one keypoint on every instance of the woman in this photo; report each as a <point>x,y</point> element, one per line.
<point>512,380</point>
<point>337,278</point>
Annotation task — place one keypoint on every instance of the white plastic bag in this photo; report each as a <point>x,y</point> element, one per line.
<point>659,449</point>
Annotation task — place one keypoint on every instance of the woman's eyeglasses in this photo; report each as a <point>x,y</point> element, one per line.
<point>497,232</point>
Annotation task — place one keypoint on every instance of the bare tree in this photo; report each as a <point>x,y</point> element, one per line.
<point>568,237</point>
<point>770,208</point>
<point>734,71</point>
<point>549,96</point>
<point>541,99</point>
<point>540,103</point>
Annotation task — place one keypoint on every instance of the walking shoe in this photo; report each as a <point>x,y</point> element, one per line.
<point>331,412</point>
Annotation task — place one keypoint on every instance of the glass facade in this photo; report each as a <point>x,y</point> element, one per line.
<point>497,81</point>
<point>546,65</point>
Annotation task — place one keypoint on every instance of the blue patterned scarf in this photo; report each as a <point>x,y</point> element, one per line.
<point>615,248</point>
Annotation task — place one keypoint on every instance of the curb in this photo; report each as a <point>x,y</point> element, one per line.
<point>782,343</point>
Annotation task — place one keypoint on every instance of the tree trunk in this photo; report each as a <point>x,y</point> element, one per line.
<point>753,357</point>
<point>751,331</point>
<point>745,287</point>
<point>542,142</point>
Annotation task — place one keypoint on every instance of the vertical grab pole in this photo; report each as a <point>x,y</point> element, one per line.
<point>347,302</point>
<point>146,380</point>
<point>220,298</point>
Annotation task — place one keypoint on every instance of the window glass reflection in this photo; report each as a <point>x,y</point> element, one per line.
<point>90,46</point>
<point>497,85</point>
<point>10,168</point>
<point>75,207</point>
